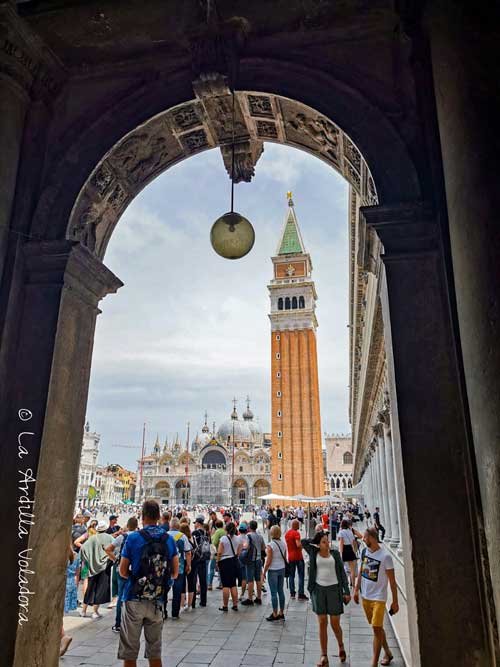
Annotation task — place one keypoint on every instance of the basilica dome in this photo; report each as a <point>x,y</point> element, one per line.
<point>236,426</point>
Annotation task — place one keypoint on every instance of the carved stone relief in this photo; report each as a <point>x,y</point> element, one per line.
<point>194,141</point>
<point>102,179</point>
<point>140,155</point>
<point>202,123</point>
<point>246,154</point>
<point>267,129</point>
<point>186,117</point>
<point>260,106</point>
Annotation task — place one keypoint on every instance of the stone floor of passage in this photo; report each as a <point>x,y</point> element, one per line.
<point>206,636</point>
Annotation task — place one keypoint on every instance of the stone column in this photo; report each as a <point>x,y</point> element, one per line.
<point>434,438</point>
<point>464,46</point>
<point>378,477</point>
<point>391,478</point>
<point>385,508</point>
<point>50,370</point>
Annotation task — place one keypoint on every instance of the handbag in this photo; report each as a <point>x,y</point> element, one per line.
<point>287,564</point>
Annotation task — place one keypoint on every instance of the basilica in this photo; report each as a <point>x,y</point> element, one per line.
<point>228,465</point>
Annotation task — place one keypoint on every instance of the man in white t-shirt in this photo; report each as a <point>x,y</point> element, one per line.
<point>375,572</point>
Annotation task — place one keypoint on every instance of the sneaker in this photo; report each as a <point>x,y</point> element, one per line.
<point>281,617</point>
<point>83,614</point>
<point>116,628</point>
<point>210,588</point>
<point>303,597</point>
<point>65,642</point>
<point>292,595</point>
<point>96,615</point>
<point>272,618</point>
<point>247,603</point>
<point>257,601</point>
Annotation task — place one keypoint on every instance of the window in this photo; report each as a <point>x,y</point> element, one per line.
<point>287,303</point>
<point>294,303</point>
<point>167,470</point>
<point>241,468</point>
<point>280,434</point>
<point>302,302</point>
<point>280,476</point>
<point>278,355</point>
<point>278,394</point>
<point>347,458</point>
<point>279,413</point>
<point>280,455</point>
<point>280,303</point>
<point>278,337</point>
<point>278,374</point>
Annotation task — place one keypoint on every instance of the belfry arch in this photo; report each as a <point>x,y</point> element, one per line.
<point>74,95</point>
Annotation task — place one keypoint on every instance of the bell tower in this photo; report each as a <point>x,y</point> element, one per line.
<point>297,462</point>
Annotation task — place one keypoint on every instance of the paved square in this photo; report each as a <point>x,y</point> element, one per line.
<point>210,637</point>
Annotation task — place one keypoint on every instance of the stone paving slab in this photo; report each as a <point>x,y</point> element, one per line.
<point>207,637</point>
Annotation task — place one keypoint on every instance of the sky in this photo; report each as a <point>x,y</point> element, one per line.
<point>189,330</point>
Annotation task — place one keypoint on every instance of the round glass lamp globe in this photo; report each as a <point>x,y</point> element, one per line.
<point>232,236</point>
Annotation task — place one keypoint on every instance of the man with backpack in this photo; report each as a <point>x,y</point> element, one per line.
<point>115,551</point>
<point>251,558</point>
<point>148,562</point>
<point>201,555</point>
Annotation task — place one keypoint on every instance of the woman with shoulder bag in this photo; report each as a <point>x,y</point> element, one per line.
<point>329,591</point>
<point>348,546</point>
<point>227,559</point>
<point>277,567</point>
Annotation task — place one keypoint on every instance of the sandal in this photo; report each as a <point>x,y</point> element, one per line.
<point>234,607</point>
<point>342,654</point>
<point>223,609</point>
<point>323,661</point>
<point>387,660</point>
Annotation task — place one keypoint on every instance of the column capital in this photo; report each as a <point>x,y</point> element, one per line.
<point>404,229</point>
<point>26,62</point>
<point>69,264</point>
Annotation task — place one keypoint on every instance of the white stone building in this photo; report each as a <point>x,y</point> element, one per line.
<point>88,466</point>
<point>339,461</point>
<point>230,465</point>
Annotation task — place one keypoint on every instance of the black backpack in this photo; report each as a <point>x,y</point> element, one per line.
<point>152,579</point>
<point>248,555</point>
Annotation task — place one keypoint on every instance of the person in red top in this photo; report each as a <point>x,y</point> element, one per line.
<point>326,521</point>
<point>295,558</point>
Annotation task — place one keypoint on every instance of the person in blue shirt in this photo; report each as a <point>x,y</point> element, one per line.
<point>141,613</point>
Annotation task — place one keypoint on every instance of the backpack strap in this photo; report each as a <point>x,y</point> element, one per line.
<point>146,535</point>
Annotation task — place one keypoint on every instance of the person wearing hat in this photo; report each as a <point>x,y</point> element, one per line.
<point>201,556</point>
<point>94,555</point>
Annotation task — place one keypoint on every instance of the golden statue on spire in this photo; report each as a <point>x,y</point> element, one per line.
<point>289,197</point>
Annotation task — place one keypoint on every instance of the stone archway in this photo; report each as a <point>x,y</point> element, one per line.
<point>182,492</point>
<point>162,492</point>
<point>260,488</point>
<point>62,125</point>
<point>240,495</point>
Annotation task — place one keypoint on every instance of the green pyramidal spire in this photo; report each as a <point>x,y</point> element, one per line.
<point>291,240</point>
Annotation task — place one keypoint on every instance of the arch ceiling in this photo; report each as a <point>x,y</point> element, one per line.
<point>198,125</point>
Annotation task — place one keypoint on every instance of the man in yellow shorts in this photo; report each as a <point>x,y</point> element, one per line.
<point>376,571</point>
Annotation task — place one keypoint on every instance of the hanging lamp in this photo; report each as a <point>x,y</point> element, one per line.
<point>232,235</point>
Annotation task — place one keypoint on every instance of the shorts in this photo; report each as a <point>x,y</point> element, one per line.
<point>348,553</point>
<point>228,571</point>
<point>254,570</point>
<point>138,614</point>
<point>375,612</point>
<point>327,600</point>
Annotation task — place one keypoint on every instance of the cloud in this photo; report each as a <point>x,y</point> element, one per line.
<point>189,330</point>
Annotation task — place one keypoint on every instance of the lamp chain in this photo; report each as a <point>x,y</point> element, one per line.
<point>232,156</point>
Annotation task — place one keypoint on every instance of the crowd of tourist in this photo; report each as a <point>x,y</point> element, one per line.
<point>163,564</point>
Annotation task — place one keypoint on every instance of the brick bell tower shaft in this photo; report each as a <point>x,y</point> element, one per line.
<point>297,464</point>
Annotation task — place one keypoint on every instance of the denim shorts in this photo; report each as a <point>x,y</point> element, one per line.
<point>254,570</point>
